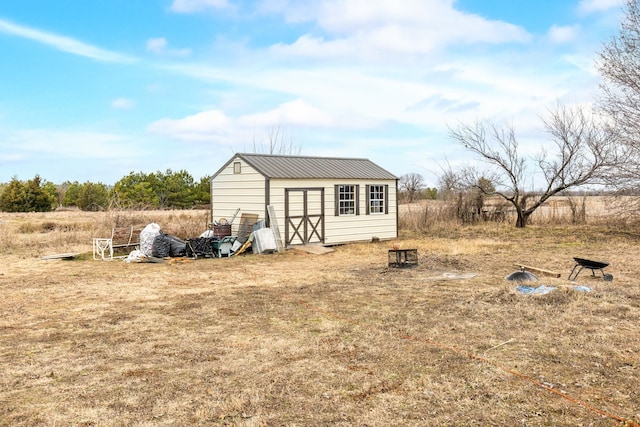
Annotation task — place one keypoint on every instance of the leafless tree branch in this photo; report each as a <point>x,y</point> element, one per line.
<point>584,152</point>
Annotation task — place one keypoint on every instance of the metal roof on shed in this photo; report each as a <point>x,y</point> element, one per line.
<point>291,167</point>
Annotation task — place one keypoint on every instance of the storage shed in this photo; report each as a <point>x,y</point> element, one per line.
<point>314,200</point>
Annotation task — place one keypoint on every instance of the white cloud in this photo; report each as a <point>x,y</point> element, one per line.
<point>122,104</point>
<point>367,98</point>
<point>316,47</point>
<point>11,157</point>
<point>590,6</point>
<point>160,45</point>
<point>294,113</point>
<point>68,144</point>
<point>191,6</point>
<point>214,125</point>
<point>300,113</point>
<point>437,18</point>
<point>157,45</point>
<point>375,28</point>
<point>204,126</point>
<point>410,67</point>
<point>71,154</point>
<point>585,64</point>
<point>565,34</point>
<point>63,43</point>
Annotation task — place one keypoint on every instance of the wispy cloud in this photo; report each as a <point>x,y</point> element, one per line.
<point>75,144</point>
<point>562,34</point>
<point>217,126</point>
<point>589,6</point>
<point>122,104</point>
<point>191,6</point>
<point>301,113</point>
<point>442,103</point>
<point>11,158</point>
<point>63,43</point>
<point>157,45</point>
<point>373,29</point>
<point>204,126</point>
<point>160,46</point>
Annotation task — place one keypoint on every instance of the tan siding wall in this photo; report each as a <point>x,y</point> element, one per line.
<point>231,191</point>
<point>363,226</point>
<point>341,229</point>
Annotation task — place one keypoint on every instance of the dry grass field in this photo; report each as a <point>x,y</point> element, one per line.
<point>299,339</point>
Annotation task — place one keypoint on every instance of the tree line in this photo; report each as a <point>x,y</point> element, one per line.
<point>138,190</point>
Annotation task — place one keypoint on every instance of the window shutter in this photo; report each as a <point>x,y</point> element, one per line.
<point>367,207</point>
<point>386,199</point>
<point>336,196</point>
<point>357,196</point>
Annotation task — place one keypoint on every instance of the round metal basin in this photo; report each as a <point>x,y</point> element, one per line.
<point>521,276</point>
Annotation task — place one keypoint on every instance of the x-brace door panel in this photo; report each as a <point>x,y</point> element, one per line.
<point>304,216</point>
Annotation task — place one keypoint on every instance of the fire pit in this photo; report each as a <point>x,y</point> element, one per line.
<point>402,258</point>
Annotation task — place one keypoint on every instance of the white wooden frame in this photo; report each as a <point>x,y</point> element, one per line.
<point>103,249</point>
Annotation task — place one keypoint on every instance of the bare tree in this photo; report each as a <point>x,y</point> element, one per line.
<point>411,184</point>
<point>449,182</point>
<point>584,152</point>
<point>277,143</point>
<point>619,65</point>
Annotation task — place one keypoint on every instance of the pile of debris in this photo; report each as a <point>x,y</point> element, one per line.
<point>216,242</point>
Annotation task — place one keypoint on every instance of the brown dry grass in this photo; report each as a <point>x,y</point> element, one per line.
<point>620,211</point>
<point>299,339</point>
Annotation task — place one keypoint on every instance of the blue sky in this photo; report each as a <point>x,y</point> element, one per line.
<point>92,90</point>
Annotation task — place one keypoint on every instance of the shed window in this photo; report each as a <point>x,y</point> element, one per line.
<point>377,196</point>
<point>237,167</point>
<point>346,200</point>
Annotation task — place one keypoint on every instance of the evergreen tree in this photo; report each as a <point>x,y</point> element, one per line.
<point>202,191</point>
<point>14,197</point>
<point>32,196</point>
<point>41,196</point>
<point>175,189</point>
<point>71,194</point>
<point>136,191</point>
<point>52,191</point>
<point>92,196</point>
